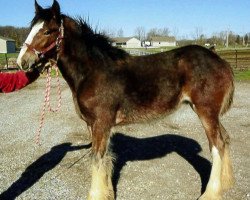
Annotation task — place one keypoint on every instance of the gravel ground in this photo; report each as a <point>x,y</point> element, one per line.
<point>165,159</point>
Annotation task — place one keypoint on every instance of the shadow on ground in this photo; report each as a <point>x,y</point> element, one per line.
<point>134,149</point>
<point>37,169</point>
<point>125,148</point>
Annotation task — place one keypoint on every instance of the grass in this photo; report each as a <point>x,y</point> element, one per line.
<point>3,58</point>
<point>242,75</point>
<point>152,50</point>
<point>9,55</point>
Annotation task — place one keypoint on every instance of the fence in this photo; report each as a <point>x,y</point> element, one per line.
<point>238,59</point>
<point>138,52</point>
<point>8,61</point>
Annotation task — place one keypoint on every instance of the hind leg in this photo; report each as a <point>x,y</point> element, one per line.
<point>227,177</point>
<point>221,176</point>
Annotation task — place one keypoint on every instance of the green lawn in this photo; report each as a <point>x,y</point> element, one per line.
<point>9,55</point>
<point>242,75</point>
<point>3,58</point>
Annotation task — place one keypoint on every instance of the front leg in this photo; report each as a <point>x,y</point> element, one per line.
<point>101,185</point>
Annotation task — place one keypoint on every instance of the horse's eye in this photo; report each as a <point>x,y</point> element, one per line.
<point>47,32</point>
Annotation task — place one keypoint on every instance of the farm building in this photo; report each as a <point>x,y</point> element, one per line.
<point>162,41</point>
<point>7,45</point>
<point>126,42</point>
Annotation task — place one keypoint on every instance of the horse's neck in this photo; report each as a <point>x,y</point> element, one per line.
<point>73,61</point>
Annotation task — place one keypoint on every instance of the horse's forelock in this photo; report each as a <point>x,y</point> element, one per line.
<point>45,15</point>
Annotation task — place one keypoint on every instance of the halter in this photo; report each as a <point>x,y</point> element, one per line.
<point>56,43</point>
<point>41,54</point>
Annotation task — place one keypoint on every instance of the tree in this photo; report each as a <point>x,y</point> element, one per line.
<point>120,33</point>
<point>16,33</point>
<point>164,31</point>
<point>199,36</point>
<point>231,38</point>
<point>140,33</point>
<point>237,40</point>
<point>108,32</point>
<point>175,32</point>
<point>154,32</point>
<point>246,39</point>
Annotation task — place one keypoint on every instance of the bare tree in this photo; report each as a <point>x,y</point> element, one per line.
<point>163,31</point>
<point>246,39</point>
<point>108,32</point>
<point>175,32</point>
<point>198,35</point>
<point>153,32</point>
<point>223,35</point>
<point>140,33</point>
<point>120,33</point>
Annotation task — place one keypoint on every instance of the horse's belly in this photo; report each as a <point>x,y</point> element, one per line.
<point>143,114</point>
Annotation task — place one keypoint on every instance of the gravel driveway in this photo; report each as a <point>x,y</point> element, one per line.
<point>165,159</point>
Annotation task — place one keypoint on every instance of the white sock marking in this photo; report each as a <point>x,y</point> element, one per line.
<point>214,183</point>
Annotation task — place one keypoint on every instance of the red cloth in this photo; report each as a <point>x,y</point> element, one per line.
<point>10,82</point>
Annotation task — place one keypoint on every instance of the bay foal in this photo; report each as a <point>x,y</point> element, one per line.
<point>110,88</point>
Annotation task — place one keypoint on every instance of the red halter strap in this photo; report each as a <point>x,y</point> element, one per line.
<point>43,52</point>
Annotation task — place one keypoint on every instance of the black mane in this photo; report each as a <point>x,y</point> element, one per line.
<point>96,43</point>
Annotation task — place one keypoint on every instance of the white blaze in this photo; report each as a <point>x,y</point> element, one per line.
<point>36,28</point>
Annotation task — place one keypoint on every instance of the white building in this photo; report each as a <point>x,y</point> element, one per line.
<point>126,42</point>
<point>166,41</point>
<point>7,45</point>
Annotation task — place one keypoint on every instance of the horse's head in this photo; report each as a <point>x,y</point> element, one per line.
<point>44,38</point>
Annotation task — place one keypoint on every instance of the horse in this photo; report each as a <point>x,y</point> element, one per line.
<point>112,88</point>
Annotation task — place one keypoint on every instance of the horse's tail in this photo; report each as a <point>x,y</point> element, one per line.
<point>228,98</point>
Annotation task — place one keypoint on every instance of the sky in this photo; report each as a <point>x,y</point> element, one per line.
<point>181,17</point>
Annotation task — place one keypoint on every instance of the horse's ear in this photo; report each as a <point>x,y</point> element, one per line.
<point>37,7</point>
<point>56,8</point>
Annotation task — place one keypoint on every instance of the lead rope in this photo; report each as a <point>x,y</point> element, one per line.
<point>47,99</point>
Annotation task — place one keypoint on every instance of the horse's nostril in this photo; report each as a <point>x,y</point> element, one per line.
<point>23,63</point>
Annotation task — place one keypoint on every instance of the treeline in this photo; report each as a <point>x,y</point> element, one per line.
<point>223,38</point>
<point>15,33</point>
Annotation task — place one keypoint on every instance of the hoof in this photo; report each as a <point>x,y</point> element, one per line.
<point>228,184</point>
<point>207,196</point>
<point>98,196</point>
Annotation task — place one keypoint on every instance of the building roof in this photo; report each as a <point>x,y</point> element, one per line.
<point>121,39</point>
<point>7,39</point>
<point>163,39</point>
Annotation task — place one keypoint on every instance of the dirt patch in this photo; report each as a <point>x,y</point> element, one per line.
<point>165,159</point>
